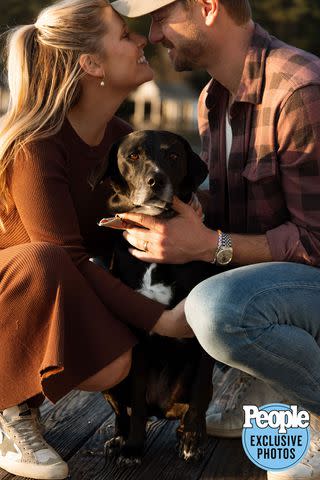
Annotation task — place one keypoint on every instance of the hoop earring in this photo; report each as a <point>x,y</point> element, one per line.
<point>102,83</point>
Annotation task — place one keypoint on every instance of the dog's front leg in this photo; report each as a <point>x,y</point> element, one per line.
<point>192,430</point>
<point>132,451</point>
<point>118,399</point>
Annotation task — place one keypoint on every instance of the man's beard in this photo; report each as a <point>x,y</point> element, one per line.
<point>183,64</point>
<point>188,55</point>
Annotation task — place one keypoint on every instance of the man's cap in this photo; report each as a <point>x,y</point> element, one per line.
<point>136,8</point>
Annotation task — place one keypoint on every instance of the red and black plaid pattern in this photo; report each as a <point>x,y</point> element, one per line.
<point>273,181</point>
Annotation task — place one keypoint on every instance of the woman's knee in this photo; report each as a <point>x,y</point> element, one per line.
<point>120,368</point>
<point>110,375</point>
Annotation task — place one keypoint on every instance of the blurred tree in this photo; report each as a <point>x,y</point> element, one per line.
<point>294,21</point>
<point>16,12</point>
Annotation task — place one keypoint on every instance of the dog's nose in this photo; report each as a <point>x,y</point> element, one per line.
<point>157,180</point>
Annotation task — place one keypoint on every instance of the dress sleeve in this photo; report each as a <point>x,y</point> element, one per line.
<point>40,189</point>
<point>298,240</point>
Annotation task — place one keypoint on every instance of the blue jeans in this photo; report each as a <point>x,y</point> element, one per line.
<point>264,320</point>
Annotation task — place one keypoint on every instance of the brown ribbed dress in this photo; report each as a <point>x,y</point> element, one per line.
<point>62,317</point>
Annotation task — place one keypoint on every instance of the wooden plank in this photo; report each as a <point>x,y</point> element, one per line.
<point>229,462</point>
<point>78,426</point>
<point>160,461</point>
<point>224,459</point>
<point>74,420</point>
<point>5,476</point>
<point>83,465</point>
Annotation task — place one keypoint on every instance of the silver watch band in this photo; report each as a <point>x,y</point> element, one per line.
<point>224,240</point>
<point>224,252</point>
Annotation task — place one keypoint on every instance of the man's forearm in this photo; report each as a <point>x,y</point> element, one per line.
<point>249,249</point>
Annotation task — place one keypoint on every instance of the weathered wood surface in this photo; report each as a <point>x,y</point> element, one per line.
<point>78,426</point>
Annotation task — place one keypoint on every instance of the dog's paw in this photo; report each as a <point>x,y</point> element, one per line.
<point>129,456</point>
<point>128,461</point>
<point>113,446</point>
<point>191,446</point>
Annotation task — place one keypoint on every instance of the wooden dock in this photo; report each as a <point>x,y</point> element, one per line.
<point>78,426</point>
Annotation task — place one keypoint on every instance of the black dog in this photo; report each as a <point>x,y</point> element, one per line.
<point>169,378</point>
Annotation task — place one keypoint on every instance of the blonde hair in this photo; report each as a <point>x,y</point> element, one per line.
<point>43,75</point>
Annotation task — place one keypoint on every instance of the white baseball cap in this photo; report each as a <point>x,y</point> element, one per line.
<point>137,8</point>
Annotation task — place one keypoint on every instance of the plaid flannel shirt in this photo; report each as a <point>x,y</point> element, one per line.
<point>272,185</point>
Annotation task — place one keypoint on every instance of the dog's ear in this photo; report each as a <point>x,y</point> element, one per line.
<point>108,168</point>
<point>197,170</point>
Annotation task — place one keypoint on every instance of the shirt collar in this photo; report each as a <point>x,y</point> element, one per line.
<point>251,85</point>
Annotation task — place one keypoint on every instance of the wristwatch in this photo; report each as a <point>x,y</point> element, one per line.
<point>224,251</point>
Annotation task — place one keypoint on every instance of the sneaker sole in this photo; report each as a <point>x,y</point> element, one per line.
<point>287,476</point>
<point>58,471</point>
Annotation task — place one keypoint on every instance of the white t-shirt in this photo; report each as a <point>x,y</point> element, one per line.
<point>228,138</point>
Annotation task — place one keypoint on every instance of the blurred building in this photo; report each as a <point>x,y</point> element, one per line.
<point>4,99</point>
<point>164,105</point>
<point>167,106</point>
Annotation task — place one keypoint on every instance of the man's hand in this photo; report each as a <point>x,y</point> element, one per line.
<point>181,239</point>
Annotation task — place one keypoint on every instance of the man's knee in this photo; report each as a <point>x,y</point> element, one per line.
<point>208,309</point>
<point>214,318</point>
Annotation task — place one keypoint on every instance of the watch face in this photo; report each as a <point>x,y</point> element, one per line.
<point>224,255</point>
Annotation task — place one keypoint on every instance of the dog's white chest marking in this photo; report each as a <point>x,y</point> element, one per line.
<point>158,291</point>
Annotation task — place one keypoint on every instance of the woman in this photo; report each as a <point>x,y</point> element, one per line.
<point>65,321</point>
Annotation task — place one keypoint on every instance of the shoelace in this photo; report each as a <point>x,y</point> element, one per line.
<point>237,390</point>
<point>27,432</point>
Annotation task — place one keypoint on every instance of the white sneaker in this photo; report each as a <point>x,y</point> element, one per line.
<point>225,416</point>
<point>23,450</point>
<point>309,467</point>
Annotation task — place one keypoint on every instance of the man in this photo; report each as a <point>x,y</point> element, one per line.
<point>259,121</point>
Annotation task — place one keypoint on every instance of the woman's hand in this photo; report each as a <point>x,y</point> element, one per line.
<point>172,323</point>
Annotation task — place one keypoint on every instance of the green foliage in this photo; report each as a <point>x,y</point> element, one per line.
<point>17,12</point>
<point>295,21</point>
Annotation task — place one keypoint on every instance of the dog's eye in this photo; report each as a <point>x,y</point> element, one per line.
<point>134,156</point>
<point>173,156</point>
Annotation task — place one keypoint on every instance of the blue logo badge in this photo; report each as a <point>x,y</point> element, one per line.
<point>276,436</point>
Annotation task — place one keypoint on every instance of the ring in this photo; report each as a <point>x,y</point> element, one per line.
<point>145,245</point>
